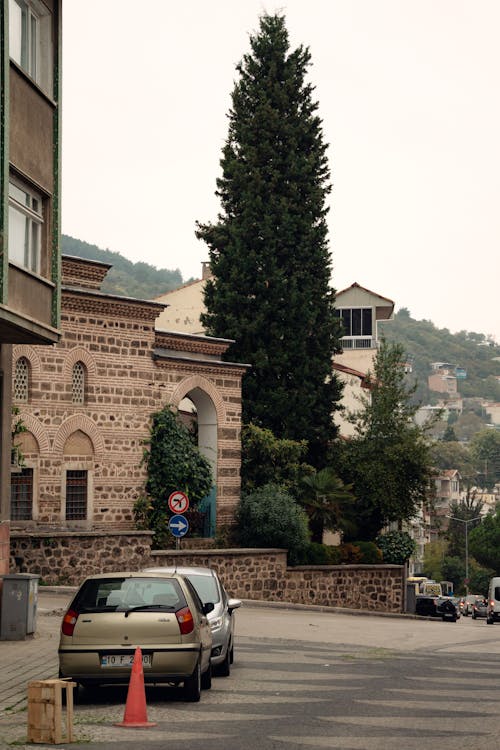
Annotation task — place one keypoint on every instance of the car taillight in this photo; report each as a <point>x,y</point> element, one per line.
<point>185,620</point>
<point>492,602</point>
<point>69,622</point>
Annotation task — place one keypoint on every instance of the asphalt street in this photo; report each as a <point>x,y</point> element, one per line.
<point>304,678</point>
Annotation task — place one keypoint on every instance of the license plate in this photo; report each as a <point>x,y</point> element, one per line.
<point>124,660</point>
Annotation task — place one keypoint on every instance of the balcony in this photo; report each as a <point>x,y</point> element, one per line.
<point>358,342</point>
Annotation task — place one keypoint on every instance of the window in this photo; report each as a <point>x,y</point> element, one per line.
<point>356,321</point>
<point>76,495</point>
<point>25,226</point>
<point>78,385</point>
<point>30,39</point>
<point>21,495</point>
<point>21,380</point>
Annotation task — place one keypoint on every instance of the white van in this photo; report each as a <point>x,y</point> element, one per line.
<point>493,609</point>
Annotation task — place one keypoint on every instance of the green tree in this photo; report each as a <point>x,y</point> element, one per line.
<point>468,509</point>
<point>388,460</point>
<point>485,448</point>
<point>484,542</point>
<point>173,462</point>
<point>454,455</point>
<point>327,501</point>
<point>267,459</point>
<point>270,517</point>
<point>268,249</point>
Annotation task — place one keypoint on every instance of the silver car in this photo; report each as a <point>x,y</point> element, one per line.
<point>210,589</point>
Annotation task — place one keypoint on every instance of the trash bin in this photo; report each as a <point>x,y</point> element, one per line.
<point>19,605</point>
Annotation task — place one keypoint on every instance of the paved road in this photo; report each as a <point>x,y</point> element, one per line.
<point>310,679</point>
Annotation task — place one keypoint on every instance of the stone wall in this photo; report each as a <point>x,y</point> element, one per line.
<point>65,557</point>
<point>261,574</point>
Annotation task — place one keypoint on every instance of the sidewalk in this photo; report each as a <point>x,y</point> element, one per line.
<point>34,658</point>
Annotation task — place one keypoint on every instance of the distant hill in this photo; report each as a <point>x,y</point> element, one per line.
<point>424,343</point>
<point>140,280</point>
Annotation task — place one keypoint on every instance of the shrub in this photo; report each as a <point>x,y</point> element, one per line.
<point>315,554</point>
<point>370,553</point>
<point>349,554</point>
<point>270,517</point>
<point>397,547</point>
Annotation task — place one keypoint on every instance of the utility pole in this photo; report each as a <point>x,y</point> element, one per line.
<point>466,522</point>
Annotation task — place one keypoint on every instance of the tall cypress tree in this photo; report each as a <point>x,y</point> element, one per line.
<point>268,248</point>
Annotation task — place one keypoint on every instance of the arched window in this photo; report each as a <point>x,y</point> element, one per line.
<point>21,379</point>
<point>78,386</point>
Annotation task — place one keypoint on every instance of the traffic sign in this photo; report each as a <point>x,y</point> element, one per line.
<point>178,525</point>
<point>178,502</point>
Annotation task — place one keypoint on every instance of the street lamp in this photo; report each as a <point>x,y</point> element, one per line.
<point>466,522</point>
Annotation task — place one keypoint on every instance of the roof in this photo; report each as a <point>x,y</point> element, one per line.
<point>358,286</point>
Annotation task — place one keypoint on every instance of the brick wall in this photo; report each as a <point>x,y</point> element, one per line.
<point>260,574</point>
<point>131,371</point>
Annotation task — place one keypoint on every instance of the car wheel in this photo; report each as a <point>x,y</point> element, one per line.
<point>224,669</point>
<point>192,685</point>
<point>206,678</point>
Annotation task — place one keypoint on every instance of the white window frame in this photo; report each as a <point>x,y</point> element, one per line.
<point>30,40</point>
<point>25,219</point>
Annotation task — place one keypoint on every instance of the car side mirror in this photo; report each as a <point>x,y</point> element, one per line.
<point>233,604</point>
<point>208,607</point>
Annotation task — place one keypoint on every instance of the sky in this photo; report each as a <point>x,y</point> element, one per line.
<point>409,96</point>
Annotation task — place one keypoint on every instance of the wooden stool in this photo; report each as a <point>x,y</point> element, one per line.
<point>45,715</point>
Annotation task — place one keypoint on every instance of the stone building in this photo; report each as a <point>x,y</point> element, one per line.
<point>87,402</point>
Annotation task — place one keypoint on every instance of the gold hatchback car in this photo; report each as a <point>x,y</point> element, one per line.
<point>113,613</point>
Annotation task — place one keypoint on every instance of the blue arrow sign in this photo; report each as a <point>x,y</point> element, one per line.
<point>178,525</point>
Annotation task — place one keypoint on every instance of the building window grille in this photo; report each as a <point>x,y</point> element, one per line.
<point>78,383</point>
<point>76,495</point>
<point>21,495</point>
<point>21,380</point>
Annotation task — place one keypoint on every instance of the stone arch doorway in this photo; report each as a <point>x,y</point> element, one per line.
<point>200,403</point>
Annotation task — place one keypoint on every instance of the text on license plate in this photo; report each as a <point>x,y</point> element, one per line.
<point>123,660</point>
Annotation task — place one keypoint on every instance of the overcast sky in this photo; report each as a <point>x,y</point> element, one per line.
<point>409,95</point>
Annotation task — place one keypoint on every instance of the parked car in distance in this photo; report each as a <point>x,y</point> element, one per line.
<point>210,589</point>
<point>436,606</point>
<point>113,613</point>
<point>468,602</point>
<point>493,607</point>
<point>479,607</point>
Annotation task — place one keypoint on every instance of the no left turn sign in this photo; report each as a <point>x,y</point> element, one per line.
<point>178,502</point>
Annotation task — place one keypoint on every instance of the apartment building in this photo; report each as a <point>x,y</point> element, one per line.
<point>30,151</point>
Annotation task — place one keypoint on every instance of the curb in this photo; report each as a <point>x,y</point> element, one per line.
<point>65,590</point>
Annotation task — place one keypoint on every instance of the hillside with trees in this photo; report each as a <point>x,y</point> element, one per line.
<point>140,280</point>
<point>423,342</point>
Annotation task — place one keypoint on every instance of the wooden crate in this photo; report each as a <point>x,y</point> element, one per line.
<point>47,722</point>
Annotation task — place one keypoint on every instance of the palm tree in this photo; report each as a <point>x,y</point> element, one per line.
<point>326,500</point>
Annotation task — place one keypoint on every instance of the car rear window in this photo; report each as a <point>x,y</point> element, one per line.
<point>110,594</point>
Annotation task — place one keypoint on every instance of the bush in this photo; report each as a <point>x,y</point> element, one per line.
<point>270,517</point>
<point>370,553</point>
<point>397,547</point>
<point>315,554</point>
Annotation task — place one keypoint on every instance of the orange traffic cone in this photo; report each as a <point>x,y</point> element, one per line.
<point>135,708</point>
